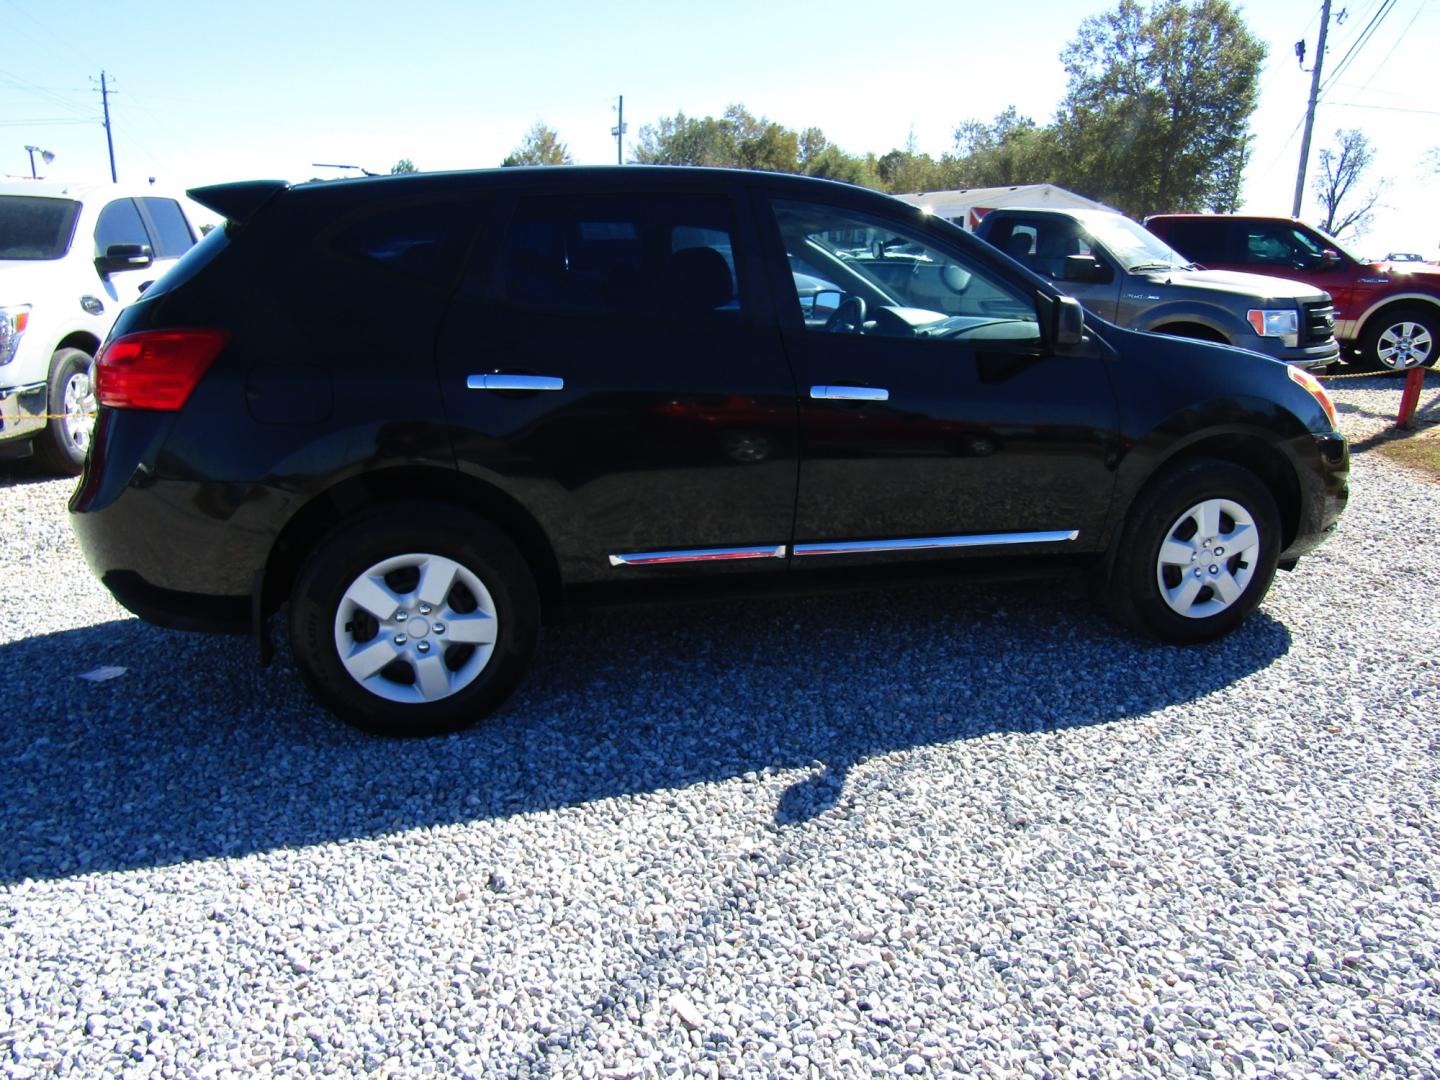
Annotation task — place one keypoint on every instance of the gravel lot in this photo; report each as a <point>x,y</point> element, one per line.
<point>913,834</point>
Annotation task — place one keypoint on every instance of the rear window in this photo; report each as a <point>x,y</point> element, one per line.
<point>34,228</point>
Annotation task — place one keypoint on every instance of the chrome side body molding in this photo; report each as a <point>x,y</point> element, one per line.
<point>843,547</point>
<point>653,558</point>
<point>930,543</point>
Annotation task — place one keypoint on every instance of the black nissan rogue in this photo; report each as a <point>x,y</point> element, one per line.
<point>420,412</point>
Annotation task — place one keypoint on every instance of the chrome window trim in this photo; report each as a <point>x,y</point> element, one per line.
<point>927,543</point>
<point>655,558</point>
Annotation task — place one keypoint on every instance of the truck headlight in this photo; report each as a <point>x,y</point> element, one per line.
<point>1282,323</point>
<point>13,321</point>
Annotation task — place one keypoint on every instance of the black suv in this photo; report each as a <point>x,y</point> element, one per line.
<point>424,411</point>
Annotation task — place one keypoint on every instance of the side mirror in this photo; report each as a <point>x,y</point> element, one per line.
<point>125,257</point>
<point>1085,269</point>
<point>1069,326</point>
<point>1329,259</point>
<point>825,303</point>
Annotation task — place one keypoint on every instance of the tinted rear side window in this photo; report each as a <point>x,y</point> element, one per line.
<point>172,232</point>
<point>1202,241</point>
<point>36,228</point>
<point>425,241</point>
<point>661,255</point>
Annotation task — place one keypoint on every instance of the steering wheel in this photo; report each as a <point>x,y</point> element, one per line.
<point>849,317</point>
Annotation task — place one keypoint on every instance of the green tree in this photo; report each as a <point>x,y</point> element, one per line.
<point>1336,184</point>
<point>737,139</point>
<point>1013,149</point>
<point>541,146</point>
<point>403,167</point>
<point>1157,105</point>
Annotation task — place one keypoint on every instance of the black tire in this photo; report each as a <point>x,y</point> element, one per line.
<point>1412,328</point>
<point>62,446</point>
<point>1138,584</point>
<point>323,615</point>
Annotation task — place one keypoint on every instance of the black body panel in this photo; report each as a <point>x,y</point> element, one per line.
<point>346,381</point>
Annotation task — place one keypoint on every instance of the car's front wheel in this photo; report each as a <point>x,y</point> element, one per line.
<point>1197,553</point>
<point>416,618</point>
<point>70,402</point>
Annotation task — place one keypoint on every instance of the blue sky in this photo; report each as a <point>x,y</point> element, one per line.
<point>224,92</point>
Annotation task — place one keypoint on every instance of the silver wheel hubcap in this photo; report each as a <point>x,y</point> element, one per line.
<point>79,407</point>
<point>1208,558</point>
<point>415,628</point>
<point>1405,345</point>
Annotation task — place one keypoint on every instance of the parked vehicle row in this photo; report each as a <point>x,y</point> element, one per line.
<point>1130,276</point>
<point>420,413</point>
<point>70,258</point>
<point>1389,313</point>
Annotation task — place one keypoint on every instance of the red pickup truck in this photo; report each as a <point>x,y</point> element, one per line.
<point>1389,312</point>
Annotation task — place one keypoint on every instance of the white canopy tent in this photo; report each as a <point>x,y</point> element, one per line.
<point>967,206</point>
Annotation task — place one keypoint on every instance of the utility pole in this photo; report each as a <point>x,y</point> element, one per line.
<point>619,132</point>
<point>1310,112</point>
<point>110,141</point>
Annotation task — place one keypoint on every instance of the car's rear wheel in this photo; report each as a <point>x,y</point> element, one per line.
<point>1197,553</point>
<point>415,618</point>
<point>1403,338</point>
<point>70,402</point>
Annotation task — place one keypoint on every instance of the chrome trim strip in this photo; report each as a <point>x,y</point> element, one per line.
<point>653,558</point>
<point>27,388</point>
<point>849,393</point>
<point>861,547</point>
<point>514,382</point>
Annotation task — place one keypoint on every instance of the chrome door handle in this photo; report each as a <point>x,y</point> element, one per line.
<point>514,382</point>
<point>849,393</point>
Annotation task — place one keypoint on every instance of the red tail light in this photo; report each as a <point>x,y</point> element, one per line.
<point>155,369</point>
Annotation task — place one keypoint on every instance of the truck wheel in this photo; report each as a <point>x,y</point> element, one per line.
<point>1197,553</point>
<point>414,618</point>
<point>1401,338</point>
<point>70,401</point>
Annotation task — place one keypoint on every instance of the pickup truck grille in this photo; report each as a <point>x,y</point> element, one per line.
<point>1318,325</point>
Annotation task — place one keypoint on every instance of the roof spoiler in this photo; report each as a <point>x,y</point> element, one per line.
<point>238,202</point>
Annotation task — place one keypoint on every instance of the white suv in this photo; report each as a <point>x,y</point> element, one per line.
<point>70,258</point>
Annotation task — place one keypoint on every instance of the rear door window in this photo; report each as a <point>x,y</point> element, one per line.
<point>425,241</point>
<point>660,256</point>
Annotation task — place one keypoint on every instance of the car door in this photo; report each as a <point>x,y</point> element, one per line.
<point>1044,242</point>
<point>119,222</point>
<point>936,418</point>
<point>611,362</point>
<point>1286,250</point>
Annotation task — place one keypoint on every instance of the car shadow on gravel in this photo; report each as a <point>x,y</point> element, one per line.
<point>195,752</point>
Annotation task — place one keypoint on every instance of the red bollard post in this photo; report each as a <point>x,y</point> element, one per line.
<point>1414,379</point>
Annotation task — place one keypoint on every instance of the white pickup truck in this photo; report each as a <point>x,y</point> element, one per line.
<point>71,257</point>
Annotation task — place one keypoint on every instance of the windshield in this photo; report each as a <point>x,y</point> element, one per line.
<point>1133,247</point>
<point>34,227</point>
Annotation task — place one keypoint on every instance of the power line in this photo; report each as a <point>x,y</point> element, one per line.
<point>1382,108</point>
<point>1354,50</point>
<point>1398,40</point>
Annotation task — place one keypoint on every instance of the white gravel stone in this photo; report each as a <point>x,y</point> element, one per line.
<point>949,832</point>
